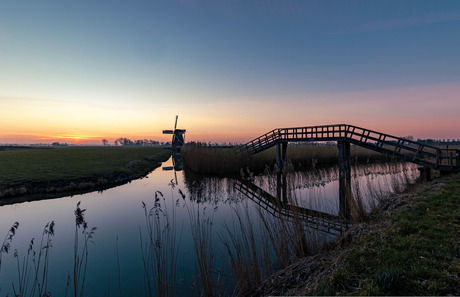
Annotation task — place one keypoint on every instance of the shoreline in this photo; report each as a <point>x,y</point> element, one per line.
<point>27,190</point>
<point>328,272</point>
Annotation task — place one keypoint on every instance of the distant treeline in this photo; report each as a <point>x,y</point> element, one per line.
<point>122,141</point>
<point>444,141</point>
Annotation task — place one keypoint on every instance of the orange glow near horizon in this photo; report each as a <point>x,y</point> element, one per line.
<point>423,112</point>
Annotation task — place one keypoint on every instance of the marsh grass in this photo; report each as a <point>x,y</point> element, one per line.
<point>82,237</point>
<point>249,254</point>
<point>33,268</point>
<point>204,159</point>
<point>202,232</point>
<point>6,244</point>
<point>160,249</point>
<point>39,269</point>
<point>259,242</point>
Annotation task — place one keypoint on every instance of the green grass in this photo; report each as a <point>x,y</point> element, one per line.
<point>419,254</point>
<point>50,164</point>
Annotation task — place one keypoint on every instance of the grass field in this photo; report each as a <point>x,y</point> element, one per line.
<point>45,165</point>
<point>419,254</point>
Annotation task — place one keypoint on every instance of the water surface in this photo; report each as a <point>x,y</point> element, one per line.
<point>119,217</point>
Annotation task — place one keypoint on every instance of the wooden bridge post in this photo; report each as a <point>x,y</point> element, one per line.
<point>344,179</point>
<point>281,189</point>
<point>425,174</point>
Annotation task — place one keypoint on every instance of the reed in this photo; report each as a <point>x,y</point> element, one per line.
<point>247,252</point>
<point>260,242</point>
<point>202,233</point>
<point>160,249</point>
<point>204,159</point>
<point>6,244</point>
<point>83,236</point>
<point>40,269</point>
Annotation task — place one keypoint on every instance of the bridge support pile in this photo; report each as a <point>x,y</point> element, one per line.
<point>281,187</point>
<point>344,179</point>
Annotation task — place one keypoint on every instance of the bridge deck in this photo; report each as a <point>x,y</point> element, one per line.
<point>397,147</point>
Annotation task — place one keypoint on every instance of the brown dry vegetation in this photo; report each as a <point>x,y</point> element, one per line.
<point>204,159</point>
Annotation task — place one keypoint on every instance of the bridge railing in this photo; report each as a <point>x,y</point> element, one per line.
<point>412,151</point>
<point>260,143</point>
<point>450,158</point>
<point>313,133</point>
<point>396,146</point>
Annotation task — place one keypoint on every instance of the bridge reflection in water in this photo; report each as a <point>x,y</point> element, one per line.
<point>277,207</point>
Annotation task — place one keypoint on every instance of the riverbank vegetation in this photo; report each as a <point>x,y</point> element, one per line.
<point>410,246</point>
<point>204,159</point>
<point>68,169</point>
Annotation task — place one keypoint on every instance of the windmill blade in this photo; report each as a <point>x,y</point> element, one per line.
<point>175,125</point>
<point>168,132</point>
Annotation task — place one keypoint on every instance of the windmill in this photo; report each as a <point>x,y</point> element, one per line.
<point>178,138</point>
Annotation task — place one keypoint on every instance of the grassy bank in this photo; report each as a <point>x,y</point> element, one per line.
<point>204,159</point>
<point>51,170</point>
<point>410,247</point>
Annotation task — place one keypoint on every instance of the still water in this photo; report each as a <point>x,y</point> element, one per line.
<point>115,262</point>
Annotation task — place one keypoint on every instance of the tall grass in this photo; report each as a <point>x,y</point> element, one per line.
<point>160,249</point>
<point>249,255</point>
<point>204,159</point>
<point>83,236</point>
<point>259,242</point>
<point>203,243</point>
<point>371,194</point>
<point>40,269</point>
<point>33,269</point>
<point>6,244</point>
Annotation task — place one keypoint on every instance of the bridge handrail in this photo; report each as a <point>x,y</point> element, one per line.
<point>410,150</point>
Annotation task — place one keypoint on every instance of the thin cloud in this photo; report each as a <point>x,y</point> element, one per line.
<point>404,22</point>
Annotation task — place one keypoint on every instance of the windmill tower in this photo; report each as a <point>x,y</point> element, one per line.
<point>178,138</point>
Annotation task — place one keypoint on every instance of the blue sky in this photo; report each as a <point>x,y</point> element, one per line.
<point>230,69</point>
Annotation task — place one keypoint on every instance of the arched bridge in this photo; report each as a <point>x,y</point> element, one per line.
<point>417,152</point>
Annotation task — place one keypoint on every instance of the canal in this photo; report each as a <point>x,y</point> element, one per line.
<point>157,225</point>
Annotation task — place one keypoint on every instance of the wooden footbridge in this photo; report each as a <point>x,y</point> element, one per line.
<point>427,156</point>
<point>417,152</point>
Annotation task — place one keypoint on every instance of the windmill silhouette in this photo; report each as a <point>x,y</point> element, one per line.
<point>178,138</point>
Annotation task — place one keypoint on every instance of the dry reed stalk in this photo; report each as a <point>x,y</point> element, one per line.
<point>204,159</point>
<point>243,250</point>
<point>6,244</point>
<point>81,252</point>
<point>160,251</point>
<point>203,243</point>
<point>40,266</point>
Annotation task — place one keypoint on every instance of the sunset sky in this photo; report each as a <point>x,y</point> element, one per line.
<point>81,71</point>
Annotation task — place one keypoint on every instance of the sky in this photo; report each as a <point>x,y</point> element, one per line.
<point>81,71</point>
